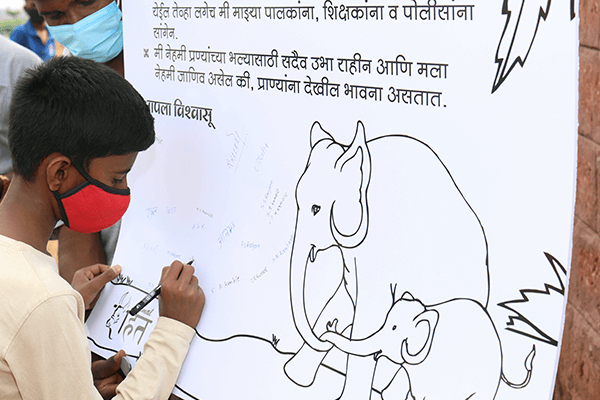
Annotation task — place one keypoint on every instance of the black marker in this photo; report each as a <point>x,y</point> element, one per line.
<point>149,297</point>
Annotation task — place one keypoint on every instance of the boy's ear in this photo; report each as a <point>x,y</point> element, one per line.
<point>58,170</point>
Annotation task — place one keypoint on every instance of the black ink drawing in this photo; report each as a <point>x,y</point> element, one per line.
<point>455,341</point>
<point>128,325</point>
<point>523,325</point>
<point>523,19</point>
<point>382,203</point>
<point>119,312</point>
<point>394,214</point>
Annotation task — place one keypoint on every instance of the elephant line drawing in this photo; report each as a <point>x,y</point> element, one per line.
<point>391,208</point>
<point>448,351</point>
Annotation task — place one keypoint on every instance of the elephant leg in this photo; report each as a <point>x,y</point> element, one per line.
<point>399,387</point>
<point>302,368</point>
<point>359,378</point>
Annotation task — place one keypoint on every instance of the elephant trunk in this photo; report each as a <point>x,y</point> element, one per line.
<point>299,263</point>
<point>359,347</point>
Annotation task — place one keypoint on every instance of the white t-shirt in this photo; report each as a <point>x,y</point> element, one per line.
<point>44,352</point>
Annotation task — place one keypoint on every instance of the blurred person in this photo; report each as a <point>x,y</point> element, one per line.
<point>14,61</point>
<point>90,29</point>
<point>34,34</point>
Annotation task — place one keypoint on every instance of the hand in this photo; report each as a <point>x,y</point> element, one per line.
<point>89,281</point>
<point>106,375</point>
<point>180,296</point>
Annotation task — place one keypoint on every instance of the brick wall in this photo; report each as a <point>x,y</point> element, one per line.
<point>579,366</point>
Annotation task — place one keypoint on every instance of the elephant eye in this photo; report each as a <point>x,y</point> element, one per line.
<point>315,209</point>
<point>394,327</point>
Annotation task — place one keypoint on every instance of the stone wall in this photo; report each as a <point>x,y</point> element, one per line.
<point>579,366</point>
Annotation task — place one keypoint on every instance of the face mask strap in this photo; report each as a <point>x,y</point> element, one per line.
<point>101,185</point>
<point>63,214</point>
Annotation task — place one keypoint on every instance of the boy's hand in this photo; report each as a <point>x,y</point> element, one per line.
<point>89,281</point>
<point>180,296</point>
<point>106,375</point>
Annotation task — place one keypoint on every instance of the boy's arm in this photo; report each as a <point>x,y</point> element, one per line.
<point>49,357</point>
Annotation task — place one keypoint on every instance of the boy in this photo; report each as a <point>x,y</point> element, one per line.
<point>76,128</point>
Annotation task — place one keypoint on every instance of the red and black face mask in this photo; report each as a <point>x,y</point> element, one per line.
<point>92,206</point>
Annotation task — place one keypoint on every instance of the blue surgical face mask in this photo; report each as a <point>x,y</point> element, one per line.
<point>99,36</point>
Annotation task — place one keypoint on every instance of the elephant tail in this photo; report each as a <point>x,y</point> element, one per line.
<point>528,367</point>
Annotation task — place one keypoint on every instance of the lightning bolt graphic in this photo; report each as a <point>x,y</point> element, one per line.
<point>522,22</point>
<point>537,302</point>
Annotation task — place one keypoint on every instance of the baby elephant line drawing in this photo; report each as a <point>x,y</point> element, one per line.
<point>391,208</point>
<point>449,351</point>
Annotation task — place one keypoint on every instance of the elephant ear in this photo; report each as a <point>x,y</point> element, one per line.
<point>317,133</point>
<point>429,320</point>
<point>354,166</point>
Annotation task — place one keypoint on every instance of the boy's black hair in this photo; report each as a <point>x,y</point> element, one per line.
<point>78,108</point>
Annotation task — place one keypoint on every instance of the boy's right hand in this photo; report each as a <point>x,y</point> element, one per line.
<point>180,296</point>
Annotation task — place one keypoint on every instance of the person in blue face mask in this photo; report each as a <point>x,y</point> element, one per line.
<point>90,29</point>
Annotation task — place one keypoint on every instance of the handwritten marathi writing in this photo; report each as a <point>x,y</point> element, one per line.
<point>173,254</point>
<point>197,226</point>
<point>181,110</point>
<point>250,245</point>
<point>208,214</point>
<point>225,284</point>
<point>225,234</point>
<point>152,248</point>
<point>151,212</point>
<point>284,251</point>
<point>259,160</point>
<point>266,196</point>
<point>273,209</point>
<point>238,148</point>
<point>259,275</point>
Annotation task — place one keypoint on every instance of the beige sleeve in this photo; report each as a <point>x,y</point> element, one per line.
<point>156,372</point>
<point>50,356</point>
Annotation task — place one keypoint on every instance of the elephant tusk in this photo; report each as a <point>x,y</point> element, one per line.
<point>311,254</point>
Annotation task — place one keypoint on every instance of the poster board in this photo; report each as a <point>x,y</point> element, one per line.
<point>319,160</point>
